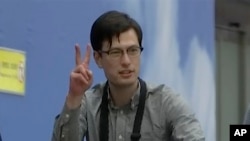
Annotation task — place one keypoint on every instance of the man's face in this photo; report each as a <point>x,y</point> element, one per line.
<point>122,61</point>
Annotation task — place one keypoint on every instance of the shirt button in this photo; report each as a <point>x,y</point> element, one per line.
<point>67,115</point>
<point>133,105</point>
<point>120,137</point>
<point>121,111</point>
<point>63,136</point>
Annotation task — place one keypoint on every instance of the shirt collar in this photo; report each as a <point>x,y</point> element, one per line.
<point>134,101</point>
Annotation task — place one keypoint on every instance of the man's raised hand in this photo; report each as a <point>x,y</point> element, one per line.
<point>81,77</point>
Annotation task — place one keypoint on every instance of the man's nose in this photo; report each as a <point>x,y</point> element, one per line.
<point>125,59</point>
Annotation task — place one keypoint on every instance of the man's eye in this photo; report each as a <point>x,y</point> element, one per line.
<point>114,52</point>
<point>134,49</point>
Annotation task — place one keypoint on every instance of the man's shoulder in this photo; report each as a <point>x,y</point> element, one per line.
<point>158,88</point>
<point>164,93</point>
<point>167,97</point>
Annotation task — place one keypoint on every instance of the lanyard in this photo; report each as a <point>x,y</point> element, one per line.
<point>104,122</point>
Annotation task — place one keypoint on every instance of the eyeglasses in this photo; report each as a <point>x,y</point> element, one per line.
<point>133,51</point>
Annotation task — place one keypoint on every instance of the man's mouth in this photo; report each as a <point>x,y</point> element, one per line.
<point>125,72</point>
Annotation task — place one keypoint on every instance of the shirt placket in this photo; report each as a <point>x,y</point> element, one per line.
<point>120,125</point>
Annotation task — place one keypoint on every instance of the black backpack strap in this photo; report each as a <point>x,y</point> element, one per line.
<point>104,121</point>
<point>136,135</point>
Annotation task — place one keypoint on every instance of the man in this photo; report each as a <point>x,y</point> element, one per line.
<point>125,107</point>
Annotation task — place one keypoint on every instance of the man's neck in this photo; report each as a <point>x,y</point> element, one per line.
<point>121,96</point>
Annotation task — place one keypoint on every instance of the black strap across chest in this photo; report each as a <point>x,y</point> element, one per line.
<point>104,122</point>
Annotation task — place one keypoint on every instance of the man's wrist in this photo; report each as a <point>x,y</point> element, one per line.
<point>73,102</point>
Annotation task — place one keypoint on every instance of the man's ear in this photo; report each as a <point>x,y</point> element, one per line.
<point>98,58</point>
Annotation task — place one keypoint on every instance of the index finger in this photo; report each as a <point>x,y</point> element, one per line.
<point>87,55</point>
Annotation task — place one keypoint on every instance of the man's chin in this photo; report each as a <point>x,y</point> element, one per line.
<point>127,82</point>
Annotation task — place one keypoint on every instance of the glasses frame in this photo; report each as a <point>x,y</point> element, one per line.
<point>122,51</point>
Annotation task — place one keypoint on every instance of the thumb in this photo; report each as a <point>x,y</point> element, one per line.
<point>90,74</point>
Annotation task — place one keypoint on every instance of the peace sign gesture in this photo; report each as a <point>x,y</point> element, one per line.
<point>86,59</point>
<point>81,77</point>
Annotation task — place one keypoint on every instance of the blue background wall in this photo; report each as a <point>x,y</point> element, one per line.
<point>177,33</point>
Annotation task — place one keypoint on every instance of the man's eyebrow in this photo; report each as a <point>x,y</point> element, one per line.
<point>117,47</point>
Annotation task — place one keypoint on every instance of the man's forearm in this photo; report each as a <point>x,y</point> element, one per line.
<point>68,126</point>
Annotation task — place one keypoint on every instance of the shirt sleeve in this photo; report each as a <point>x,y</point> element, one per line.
<point>71,125</point>
<point>183,123</point>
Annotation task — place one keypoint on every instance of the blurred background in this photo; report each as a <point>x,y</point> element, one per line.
<point>232,26</point>
<point>200,48</point>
